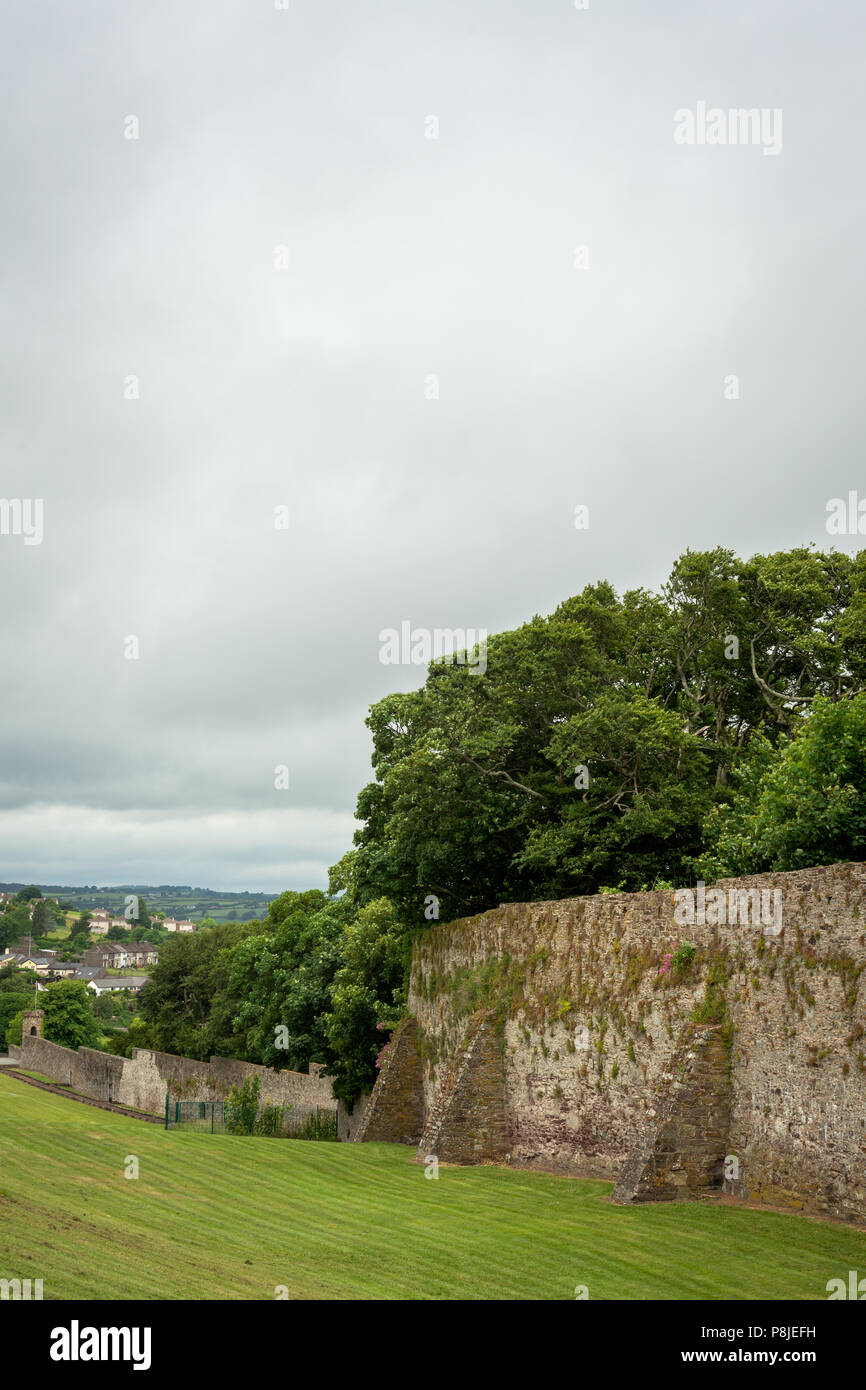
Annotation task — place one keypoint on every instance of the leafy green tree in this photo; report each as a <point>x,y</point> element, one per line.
<point>138,1034</point>
<point>13,925</point>
<point>654,698</point>
<point>105,1006</point>
<point>280,980</point>
<point>185,1004</point>
<point>12,1002</point>
<point>799,804</point>
<point>43,920</point>
<point>367,995</point>
<point>26,895</point>
<point>14,1029</point>
<point>242,1104</point>
<point>143,919</point>
<point>640,814</point>
<point>69,1018</point>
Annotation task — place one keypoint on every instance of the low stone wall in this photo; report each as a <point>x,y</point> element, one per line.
<point>142,1081</point>
<point>38,1054</point>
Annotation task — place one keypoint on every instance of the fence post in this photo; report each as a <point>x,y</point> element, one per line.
<point>166,1109</point>
<point>212,1108</point>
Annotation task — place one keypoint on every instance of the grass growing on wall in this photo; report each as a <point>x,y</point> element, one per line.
<point>233,1219</point>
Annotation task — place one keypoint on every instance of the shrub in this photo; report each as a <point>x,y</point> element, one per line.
<point>683,957</point>
<point>269,1123</point>
<point>319,1124</point>
<point>242,1104</point>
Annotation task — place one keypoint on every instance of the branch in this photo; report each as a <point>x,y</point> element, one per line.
<point>506,775</point>
<point>770,694</point>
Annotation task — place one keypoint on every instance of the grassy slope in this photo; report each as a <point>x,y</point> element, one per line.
<point>231,1218</point>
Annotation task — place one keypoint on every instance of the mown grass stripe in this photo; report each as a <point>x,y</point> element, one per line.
<point>217,1217</point>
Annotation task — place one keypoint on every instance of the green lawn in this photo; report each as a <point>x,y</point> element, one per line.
<point>231,1218</point>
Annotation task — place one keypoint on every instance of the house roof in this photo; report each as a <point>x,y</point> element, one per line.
<point>119,981</point>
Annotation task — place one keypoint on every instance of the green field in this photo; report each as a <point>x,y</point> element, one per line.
<point>174,901</point>
<point>233,1218</point>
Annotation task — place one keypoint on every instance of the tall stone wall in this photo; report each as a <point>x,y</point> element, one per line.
<point>590,1016</point>
<point>395,1110</point>
<point>469,1119</point>
<point>349,1118</point>
<point>684,1148</point>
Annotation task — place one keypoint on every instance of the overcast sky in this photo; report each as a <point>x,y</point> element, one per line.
<point>284,259</point>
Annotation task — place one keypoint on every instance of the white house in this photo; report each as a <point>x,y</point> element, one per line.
<point>103,984</point>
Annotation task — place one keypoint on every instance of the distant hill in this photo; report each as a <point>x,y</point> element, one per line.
<point>172,899</point>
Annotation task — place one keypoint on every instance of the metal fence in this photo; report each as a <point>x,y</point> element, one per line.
<point>209,1116</point>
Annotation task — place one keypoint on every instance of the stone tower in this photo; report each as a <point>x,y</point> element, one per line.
<point>31,1024</point>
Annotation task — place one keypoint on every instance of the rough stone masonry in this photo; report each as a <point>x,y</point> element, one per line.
<point>587,1037</point>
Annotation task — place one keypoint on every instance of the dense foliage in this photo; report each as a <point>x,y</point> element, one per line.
<point>597,744</point>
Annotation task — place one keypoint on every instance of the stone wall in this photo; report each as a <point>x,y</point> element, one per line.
<point>38,1054</point>
<point>683,1150</point>
<point>468,1121</point>
<point>395,1110</point>
<point>142,1081</point>
<point>590,1019</point>
<point>349,1118</point>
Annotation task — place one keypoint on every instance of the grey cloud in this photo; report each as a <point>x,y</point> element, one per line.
<point>305,387</point>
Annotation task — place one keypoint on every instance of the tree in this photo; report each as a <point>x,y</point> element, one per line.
<point>12,1002</point>
<point>69,1018</point>
<point>14,924</point>
<point>598,740</point>
<point>186,1006</point>
<point>43,919</point>
<point>27,894</point>
<point>14,1029</point>
<point>800,804</point>
<point>367,995</point>
<point>142,920</point>
<point>640,816</point>
<point>242,1104</point>
<point>106,1005</point>
<point>138,1034</point>
<point>280,978</point>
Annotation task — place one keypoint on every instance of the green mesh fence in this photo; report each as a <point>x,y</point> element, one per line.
<point>207,1115</point>
<point>272,1121</point>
